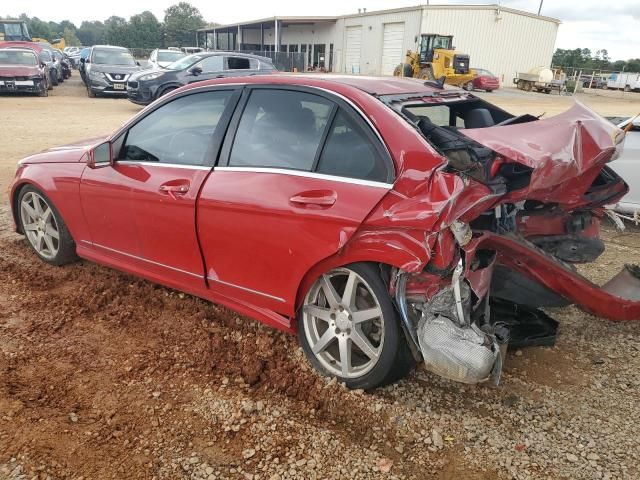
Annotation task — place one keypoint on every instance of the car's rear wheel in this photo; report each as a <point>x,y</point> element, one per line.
<point>54,78</point>
<point>349,329</point>
<point>166,90</point>
<point>44,228</point>
<point>468,86</point>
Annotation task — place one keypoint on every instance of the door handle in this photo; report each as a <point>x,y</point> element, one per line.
<point>321,198</point>
<point>173,190</point>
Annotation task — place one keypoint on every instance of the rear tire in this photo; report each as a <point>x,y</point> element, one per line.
<point>166,90</point>
<point>54,78</point>
<point>468,86</point>
<point>42,225</point>
<point>349,329</point>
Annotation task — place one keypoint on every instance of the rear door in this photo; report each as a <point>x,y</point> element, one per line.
<point>298,173</point>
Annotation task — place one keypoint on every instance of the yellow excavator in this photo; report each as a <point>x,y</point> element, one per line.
<point>435,59</point>
<point>16,30</point>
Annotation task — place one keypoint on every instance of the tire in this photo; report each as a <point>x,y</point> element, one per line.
<point>527,86</point>
<point>407,70</point>
<point>44,92</point>
<point>90,93</point>
<point>488,91</point>
<point>40,222</point>
<point>427,73</point>
<point>520,84</point>
<point>166,90</point>
<point>468,86</point>
<point>627,88</point>
<point>326,327</point>
<point>54,78</point>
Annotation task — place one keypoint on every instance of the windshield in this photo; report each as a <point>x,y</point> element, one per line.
<point>13,57</point>
<point>170,56</point>
<point>483,72</point>
<point>113,57</point>
<point>186,62</point>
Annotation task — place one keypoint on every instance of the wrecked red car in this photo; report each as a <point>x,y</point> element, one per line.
<point>385,220</point>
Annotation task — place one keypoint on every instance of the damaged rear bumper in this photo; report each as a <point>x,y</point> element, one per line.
<point>618,299</point>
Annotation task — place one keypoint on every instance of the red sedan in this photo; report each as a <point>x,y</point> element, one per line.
<point>484,80</point>
<point>370,215</point>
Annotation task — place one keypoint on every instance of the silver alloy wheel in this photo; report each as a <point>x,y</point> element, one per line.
<point>39,225</point>
<point>343,323</point>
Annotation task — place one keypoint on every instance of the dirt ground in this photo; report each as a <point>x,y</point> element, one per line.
<point>106,376</point>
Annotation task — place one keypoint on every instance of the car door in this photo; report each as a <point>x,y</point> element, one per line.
<point>267,214</point>
<point>142,207</point>
<point>212,67</point>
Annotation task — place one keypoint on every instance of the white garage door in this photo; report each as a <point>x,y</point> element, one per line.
<point>392,42</point>
<point>354,44</point>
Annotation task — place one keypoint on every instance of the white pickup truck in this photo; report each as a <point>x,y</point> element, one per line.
<point>624,81</point>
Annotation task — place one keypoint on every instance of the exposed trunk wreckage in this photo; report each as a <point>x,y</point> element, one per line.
<point>517,204</point>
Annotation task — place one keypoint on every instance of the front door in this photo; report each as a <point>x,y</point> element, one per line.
<point>295,181</point>
<point>160,166</point>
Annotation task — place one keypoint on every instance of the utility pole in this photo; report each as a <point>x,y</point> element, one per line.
<point>540,7</point>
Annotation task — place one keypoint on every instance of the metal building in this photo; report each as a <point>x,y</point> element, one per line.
<point>502,40</point>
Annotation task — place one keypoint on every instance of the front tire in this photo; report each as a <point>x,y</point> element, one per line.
<point>44,228</point>
<point>349,328</point>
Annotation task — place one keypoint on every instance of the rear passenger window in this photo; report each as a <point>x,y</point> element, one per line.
<point>280,128</point>
<point>238,63</point>
<point>349,152</point>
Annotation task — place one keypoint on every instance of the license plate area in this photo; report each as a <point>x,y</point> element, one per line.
<point>119,86</point>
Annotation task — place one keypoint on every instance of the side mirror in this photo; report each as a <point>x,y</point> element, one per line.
<point>43,65</point>
<point>195,71</point>
<point>82,60</point>
<point>86,60</point>
<point>101,156</point>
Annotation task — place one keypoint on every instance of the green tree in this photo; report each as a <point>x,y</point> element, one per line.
<point>116,31</point>
<point>38,28</point>
<point>180,23</point>
<point>91,33</point>
<point>145,31</point>
<point>70,38</point>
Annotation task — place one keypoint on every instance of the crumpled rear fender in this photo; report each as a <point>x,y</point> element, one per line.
<point>617,300</point>
<point>407,249</point>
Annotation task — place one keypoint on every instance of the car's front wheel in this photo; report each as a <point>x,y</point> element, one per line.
<point>44,228</point>
<point>349,328</point>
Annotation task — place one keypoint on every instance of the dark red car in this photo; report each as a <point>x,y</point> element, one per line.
<point>21,72</point>
<point>371,215</point>
<point>484,80</point>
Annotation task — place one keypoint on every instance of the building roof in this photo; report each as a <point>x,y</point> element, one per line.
<point>322,19</point>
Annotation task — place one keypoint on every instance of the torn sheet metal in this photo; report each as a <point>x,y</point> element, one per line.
<point>567,150</point>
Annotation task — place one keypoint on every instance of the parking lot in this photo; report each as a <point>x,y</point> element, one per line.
<point>103,375</point>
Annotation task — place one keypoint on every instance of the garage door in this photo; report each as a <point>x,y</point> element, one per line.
<point>354,44</point>
<point>392,42</point>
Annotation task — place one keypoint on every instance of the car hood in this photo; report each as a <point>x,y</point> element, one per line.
<point>71,153</point>
<point>18,71</point>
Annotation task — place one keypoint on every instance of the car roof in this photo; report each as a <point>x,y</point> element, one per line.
<point>20,49</point>
<point>110,47</point>
<point>377,86</point>
<point>18,44</point>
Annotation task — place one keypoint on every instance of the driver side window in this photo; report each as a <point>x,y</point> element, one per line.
<point>177,133</point>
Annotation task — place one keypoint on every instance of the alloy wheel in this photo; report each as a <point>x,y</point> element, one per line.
<point>343,323</point>
<point>39,225</point>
